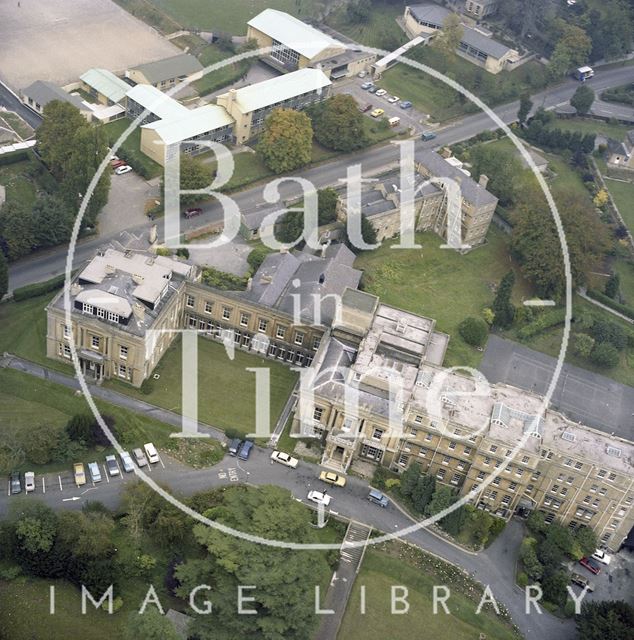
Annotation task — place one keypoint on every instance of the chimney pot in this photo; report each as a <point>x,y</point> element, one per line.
<point>484,181</point>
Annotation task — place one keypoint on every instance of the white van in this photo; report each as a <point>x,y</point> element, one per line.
<point>151,453</point>
<point>394,122</point>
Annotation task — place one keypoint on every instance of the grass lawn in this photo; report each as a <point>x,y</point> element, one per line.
<point>213,80</point>
<point>587,125</point>
<point>623,195</point>
<point>15,122</point>
<point>624,266</point>
<point>132,145</point>
<point>226,397</point>
<point>20,187</point>
<point>399,566</point>
<point>441,284</point>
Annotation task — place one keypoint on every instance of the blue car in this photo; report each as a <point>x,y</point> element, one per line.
<point>245,450</point>
<point>367,85</point>
<point>406,104</point>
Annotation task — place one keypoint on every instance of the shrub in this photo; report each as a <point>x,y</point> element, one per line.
<point>474,331</point>
<point>610,332</point>
<point>522,579</point>
<point>183,252</point>
<point>14,156</point>
<point>223,281</point>
<point>569,608</point>
<point>544,321</point>
<point>38,289</point>
<point>147,387</point>
<point>605,355</point>
<point>256,257</point>
<point>10,573</point>
<point>613,304</point>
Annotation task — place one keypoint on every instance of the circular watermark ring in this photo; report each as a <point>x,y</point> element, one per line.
<point>418,525</point>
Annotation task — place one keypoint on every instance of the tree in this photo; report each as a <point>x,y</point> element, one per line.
<point>554,587</point>
<point>327,200</point>
<point>474,331</point>
<point>612,30</point>
<point>586,541</point>
<point>572,49</point>
<point>283,598</point>
<point>532,566</point>
<point>502,306</point>
<point>16,229</point>
<point>79,427</point>
<point>605,355</point>
<point>4,275</point>
<point>52,221</point>
<point>34,526</point>
<point>582,99</point>
<point>423,492</point>
<point>602,197</point>
<point>359,11</point>
<point>257,257</point>
<point>43,443</point>
<point>526,105</point>
<point>441,500</point>
<point>151,625</point>
<point>338,123</point>
<point>612,286</point>
<point>582,344</point>
<point>606,331</point>
<point>286,142</point>
<point>450,35</point>
<point>503,168</point>
<point>454,521</point>
<point>409,479</point>
<point>368,233</point>
<point>606,620</point>
<point>193,175</point>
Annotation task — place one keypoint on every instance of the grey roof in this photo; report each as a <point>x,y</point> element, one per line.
<point>481,42</point>
<point>439,167</point>
<point>629,137</point>
<point>44,92</point>
<point>360,300</point>
<point>432,13</point>
<point>272,277</point>
<point>177,66</point>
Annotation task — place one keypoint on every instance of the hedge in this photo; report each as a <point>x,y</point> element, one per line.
<point>542,322</point>
<point>38,289</point>
<point>613,304</point>
<point>14,156</point>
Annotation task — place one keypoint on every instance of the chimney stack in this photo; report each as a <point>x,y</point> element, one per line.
<point>484,181</point>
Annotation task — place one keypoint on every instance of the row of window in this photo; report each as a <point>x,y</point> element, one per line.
<point>100,313</point>
<point>120,370</point>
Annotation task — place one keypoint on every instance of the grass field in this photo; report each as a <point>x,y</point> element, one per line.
<point>441,284</point>
<point>20,187</point>
<point>226,396</point>
<point>586,125</point>
<point>379,572</point>
<point>623,195</point>
<point>213,80</point>
<point>15,122</point>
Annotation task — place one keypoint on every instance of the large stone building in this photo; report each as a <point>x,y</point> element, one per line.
<point>380,395</point>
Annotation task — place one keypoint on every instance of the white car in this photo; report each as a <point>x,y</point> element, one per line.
<point>319,498</point>
<point>124,169</point>
<point>393,99</point>
<point>602,557</point>
<point>29,481</point>
<point>151,453</point>
<point>381,92</point>
<point>285,459</point>
<point>126,461</point>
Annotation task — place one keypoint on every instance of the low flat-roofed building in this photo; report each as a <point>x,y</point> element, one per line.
<point>40,93</point>
<point>104,86</point>
<point>164,74</point>
<point>159,106</point>
<point>480,8</point>
<point>249,106</point>
<point>210,122</point>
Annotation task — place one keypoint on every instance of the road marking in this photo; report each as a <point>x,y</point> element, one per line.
<point>161,461</point>
<point>43,485</point>
<point>222,475</point>
<point>105,471</point>
<point>9,488</point>
<point>71,499</point>
<point>60,483</point>
<point>539,303</point>
<point>88,489</point>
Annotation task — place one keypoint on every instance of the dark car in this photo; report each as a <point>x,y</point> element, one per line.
<point>591,565</point>
<point>16,483</point>
<point>406,104</point>
<point>378,498</point>
<point>373,89</point>
<point>192,212</point>
<point>245,450</point>
<point>234,446</point>
<point>365,108</point>
<point>428,135</point>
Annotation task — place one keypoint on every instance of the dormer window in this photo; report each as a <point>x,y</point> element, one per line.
<point>88,308</point>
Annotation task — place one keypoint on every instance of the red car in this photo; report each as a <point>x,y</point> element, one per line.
<point>118,163</point>
<point>191,213</point>
<point>365,108</point>
<point>591,565</point>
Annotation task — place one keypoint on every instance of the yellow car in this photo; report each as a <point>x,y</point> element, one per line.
<point>377,112</point>
<point>332,478</point>
<point>79,474</point>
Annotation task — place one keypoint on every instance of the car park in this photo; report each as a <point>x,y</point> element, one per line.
<point>366,85</point>
<point>381,92</point>
<point>95,474</point>
<point>79,474</point>
<point>285,459</point>
<point>319,498</point>
<point>393,99</point>
<point>602,557</point>
<point>192,212</point>
<point>234,446</point>
<point>427,135</point>
<point>123,169</point>
<point>582,581</point>
<point>113,467</point>
<point>405,104</point>
<point>15,483</point>
<point>139,456</point>
<point>377,112</point>
<point>333,478</point>
<point>151,453</point>
<point>377,497</point>
<point>365,108</point>
<point>29,481</point>
<point>126,461</point>
<point>245,450</point>
<point>591,565</point>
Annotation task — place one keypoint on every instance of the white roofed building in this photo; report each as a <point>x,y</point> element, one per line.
<point>159,105</point>
<point>103,85</point>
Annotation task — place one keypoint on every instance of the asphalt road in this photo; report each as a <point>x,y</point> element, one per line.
<point>8,100</point>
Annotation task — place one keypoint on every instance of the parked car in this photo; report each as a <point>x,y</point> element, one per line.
<point>151,453</point>
<point>95,474</point>
<point>393,99</point>
<point>394,122</point>
<point>15,482</point>
<point>405,104</point>
<point>123,169</point>
<point>192,212</point>
<point>362,74</point>
<point>319,498</point>
<point>602,557</point>
<point>79,473</point>
<point>332,478</point>
<point>378,498</point>
<point>581,581</point>
<point>113,467</point>
<point>366,85</point>
<point>285,459</point>
<point>591,565</point>
<point>116,163</point>
<point>381,92</point>
<point>29,481</point>
<point>126,461</point>
<point>245,450</point>
<point>365,108</point>
<point>377,112</point>
<point>373,89</point>
<point>234,447</point>
<point>139,456</point>
<point>427,135</point>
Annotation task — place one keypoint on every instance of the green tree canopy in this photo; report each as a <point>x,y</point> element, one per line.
<point>450,35</point>
<point>151,625</point>
<point>526,105</point>
<point>606,620</point>
<point>572,49</point>
<point>338,123</point>
<point>16,229</point>
<point>582,99</point>
<point>4,275</point>
<point>286,142</point>
<point>502,168</point>
<point>474,331</point>
<point>502,306</point>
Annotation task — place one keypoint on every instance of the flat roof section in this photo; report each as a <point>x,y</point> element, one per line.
<point>193,123</point>
<point>157,102</point>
